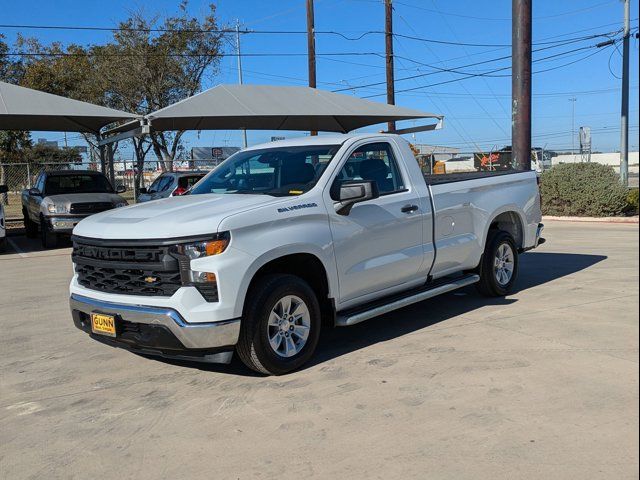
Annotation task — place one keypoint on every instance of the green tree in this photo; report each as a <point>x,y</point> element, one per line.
<point>154,63</point>
<point>150,63</point>
<point>44,154</point>
<point>13,147</point>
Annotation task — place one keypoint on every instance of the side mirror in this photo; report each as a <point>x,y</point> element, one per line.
<point>142,190</point>
<point>34,192</point>
<point>121,189</point>
<point>4,189</point>
<point>347,193</point>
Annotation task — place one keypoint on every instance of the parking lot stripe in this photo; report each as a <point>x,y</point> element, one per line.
<point>17,249</point>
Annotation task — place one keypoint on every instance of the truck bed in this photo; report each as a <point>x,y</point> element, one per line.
<point>462,176</point>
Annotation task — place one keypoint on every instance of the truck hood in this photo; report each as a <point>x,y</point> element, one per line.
<point>170,217</point>
<point>70,198</point>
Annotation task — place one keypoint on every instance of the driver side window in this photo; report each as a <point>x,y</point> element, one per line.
<point>374,161</point>
<point>40,183</point>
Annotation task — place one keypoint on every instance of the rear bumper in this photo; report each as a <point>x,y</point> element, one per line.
<point>538,240</point>
<point>157,330</point>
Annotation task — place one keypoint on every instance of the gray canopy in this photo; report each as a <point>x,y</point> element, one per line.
<point>26,109</point>
<point>261,107</point>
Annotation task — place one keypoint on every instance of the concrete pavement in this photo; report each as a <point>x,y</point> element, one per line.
<point>542,384</point>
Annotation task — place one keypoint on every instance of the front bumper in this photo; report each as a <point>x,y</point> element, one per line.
<point>63,224</point>
<point>158,330</point>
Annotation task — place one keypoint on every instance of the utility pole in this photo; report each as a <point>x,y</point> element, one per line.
<point>573,125</point>
<point>244,131</point>
<point>521,84</point>
<point>624,111</point>
<point>311,48</point>
<point>388,40</point>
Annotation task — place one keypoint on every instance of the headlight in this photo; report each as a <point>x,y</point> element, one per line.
<point>120,204</point>
<point>53,208</point>
<point>205,282</point>
<point>206,248</point>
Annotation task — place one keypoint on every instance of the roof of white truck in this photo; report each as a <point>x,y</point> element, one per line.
<point>319,140</point>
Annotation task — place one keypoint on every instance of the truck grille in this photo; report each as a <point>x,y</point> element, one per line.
<point>132,270</point>
<point>88,208</point>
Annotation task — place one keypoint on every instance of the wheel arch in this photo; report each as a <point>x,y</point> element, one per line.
<point>302,263</point>
<point>509,219</point>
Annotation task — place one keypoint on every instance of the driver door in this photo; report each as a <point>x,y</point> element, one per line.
<point>378,245</point>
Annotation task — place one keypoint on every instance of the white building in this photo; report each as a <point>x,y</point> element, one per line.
<point>612,159</point>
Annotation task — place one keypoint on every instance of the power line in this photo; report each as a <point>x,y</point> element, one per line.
<point>612,129</point>
<point>457,70</point>
<point>549,94</point>
<point>186,55</point>
<point>477,75</point>
<point>571,12</point>
<point>226,31</point>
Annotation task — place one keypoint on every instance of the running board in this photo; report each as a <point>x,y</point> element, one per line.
<point>358,315</point>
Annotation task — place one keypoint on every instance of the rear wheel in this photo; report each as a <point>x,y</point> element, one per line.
<point>30,227</point>
<point>48,238</point>
<point>499,267</point>
<point>280,326</point>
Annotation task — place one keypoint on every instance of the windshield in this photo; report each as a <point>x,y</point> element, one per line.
<point>63,184</point>
<point>277,171</point>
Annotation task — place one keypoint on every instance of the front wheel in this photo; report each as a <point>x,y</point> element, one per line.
<point>280,326</point>
<point>499,266</point>
<point>48,238</point>
<point>30,227</point>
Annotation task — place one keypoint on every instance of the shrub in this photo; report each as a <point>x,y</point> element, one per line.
<point>632,202</point>
<point>583,190</point>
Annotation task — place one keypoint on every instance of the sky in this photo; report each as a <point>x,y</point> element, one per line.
<point>477,109</point>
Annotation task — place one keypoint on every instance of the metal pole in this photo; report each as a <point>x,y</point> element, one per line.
<point>624,111</point>
<point>388,40</point>
<point>573,125</point>
<point>112,173</point>
<point>244,131</point>
<point>102,152</point>
<point>521,84</point>
<point>311,48</point>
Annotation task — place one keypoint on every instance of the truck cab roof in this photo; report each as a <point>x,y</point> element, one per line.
<point>336,139</point>
<point>66,173</point>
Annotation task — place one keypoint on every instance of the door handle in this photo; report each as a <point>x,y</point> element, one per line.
<point>409,208</point>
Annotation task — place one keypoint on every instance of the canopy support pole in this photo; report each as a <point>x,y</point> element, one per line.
<point>421,128</point>
<point>101,152</point>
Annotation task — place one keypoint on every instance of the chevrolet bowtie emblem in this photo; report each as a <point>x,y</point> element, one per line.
<point>151,279</point>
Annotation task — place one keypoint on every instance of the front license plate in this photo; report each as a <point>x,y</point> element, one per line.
<point>103,324</point>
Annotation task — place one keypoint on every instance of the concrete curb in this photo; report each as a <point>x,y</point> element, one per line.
<point>631,220</point>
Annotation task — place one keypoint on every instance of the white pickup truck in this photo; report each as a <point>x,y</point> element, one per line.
<point>286,237</point>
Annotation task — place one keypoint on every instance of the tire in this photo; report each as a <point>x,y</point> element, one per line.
<point>269,296</point>
<point>499,265</point>
<point>48,238</point>
<point>30,227</point>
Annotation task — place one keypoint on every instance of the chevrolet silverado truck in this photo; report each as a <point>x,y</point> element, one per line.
<point>283,239</point>
<point>60,199</point>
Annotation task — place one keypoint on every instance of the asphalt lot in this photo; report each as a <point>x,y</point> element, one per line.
<point>543,384</point>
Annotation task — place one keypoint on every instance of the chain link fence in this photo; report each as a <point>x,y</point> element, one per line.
<point>22,176</point>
